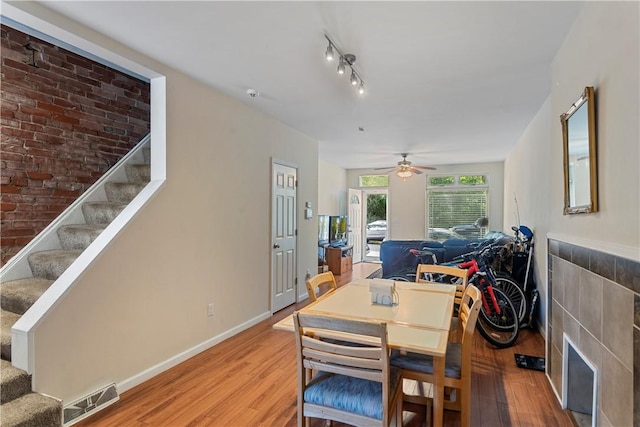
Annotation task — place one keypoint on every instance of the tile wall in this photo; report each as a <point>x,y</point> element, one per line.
<point>595,299</point>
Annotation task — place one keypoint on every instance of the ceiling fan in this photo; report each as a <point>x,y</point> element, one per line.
<point>404,168</point>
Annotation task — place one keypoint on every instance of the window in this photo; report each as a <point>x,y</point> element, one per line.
<point>374,180</point>
<point>454,210</point>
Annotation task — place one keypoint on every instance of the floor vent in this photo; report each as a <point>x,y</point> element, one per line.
<point>88,405</point>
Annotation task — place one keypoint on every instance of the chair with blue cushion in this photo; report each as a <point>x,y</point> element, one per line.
<point>419,367</point>
<point>351,384</point>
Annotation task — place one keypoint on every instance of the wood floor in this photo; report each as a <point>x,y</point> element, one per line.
<point>249,380</point>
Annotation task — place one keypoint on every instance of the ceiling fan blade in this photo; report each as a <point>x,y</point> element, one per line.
<point>416,171</point>
<point>431,168</point>
<point>389,169</point>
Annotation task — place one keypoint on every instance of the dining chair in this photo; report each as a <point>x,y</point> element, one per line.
<point>317,281</point>
<point>419,367</point>
<point>435,272</point>
<point>352,384</point>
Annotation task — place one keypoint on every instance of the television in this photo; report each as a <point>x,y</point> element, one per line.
<point>323,230</point>
<point>337,231</point>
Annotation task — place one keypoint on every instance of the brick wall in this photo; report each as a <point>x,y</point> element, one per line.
<point>65,120</point>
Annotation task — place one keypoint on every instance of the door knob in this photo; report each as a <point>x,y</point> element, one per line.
<point>276,245</point>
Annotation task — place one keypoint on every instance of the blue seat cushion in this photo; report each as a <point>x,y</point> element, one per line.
<point>349,394</point>
<point>424,363</point>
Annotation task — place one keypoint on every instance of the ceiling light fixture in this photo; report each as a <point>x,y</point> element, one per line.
<point>346,59</point>
<point>329,53</point>
<point>404,174</point>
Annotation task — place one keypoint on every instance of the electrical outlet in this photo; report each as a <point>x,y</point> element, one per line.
<point>210,309</point>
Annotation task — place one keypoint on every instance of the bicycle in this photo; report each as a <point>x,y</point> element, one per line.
<point>515,259</point>
<point>499,321</point>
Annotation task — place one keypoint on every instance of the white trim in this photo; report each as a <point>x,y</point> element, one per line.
<point>628,252</point>
<point>146,375</point>
<point>565,376</point>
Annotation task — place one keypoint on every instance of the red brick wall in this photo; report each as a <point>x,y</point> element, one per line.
<point>64,122</point>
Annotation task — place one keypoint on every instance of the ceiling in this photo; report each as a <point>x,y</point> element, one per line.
<point>447,82</point>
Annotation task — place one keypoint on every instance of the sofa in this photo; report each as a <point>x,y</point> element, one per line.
<point>397,259</point>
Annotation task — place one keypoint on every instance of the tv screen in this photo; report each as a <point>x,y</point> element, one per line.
<point>323,230</point>
<point>338,230</point>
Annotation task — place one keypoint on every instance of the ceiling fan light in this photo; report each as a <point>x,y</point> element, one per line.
<point>404,173</point>
<point>361,88</point>
<point>329,53</point>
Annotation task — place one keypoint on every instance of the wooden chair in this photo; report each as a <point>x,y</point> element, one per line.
<point>316,282</point>
<point>375,388</point>
<point>436,271</point>
<point>419,367</point>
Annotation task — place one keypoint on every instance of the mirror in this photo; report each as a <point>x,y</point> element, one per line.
<point>580,162</point>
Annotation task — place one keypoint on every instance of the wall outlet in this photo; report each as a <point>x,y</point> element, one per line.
<point>210,309</point>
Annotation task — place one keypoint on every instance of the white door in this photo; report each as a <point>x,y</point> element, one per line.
<point>284,264</point>
<point>355,223</point>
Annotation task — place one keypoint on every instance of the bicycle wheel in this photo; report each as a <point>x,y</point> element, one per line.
<point>514,291</point>
<point>499,329</point>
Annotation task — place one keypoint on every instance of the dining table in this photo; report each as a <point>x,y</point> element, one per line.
<point>419,322</point>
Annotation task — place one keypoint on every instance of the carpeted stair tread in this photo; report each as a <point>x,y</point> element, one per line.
<point>140,173</point>
<point>18,295</point>
<point>51,264</point>
<point>32,410</point>
<point>15,382</point>
<point>79,236</point>
<point>8,320</point>
<point>122,192</point>
<point>101,212</point>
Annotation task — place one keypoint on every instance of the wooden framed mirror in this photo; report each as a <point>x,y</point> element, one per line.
<point>580,156</point>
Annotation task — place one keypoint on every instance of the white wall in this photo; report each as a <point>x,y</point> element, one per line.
<point>601,50</point>
<point>143,304</point>
<point>407,199</point>
<point>332,189</point>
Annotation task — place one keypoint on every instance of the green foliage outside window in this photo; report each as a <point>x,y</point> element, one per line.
<point>376,207</point>
<point>442,180</point>
<point>472,180</point>
<point>374,180</point>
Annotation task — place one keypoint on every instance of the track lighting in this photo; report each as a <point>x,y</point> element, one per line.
<point>353,79</point>
<point>341,66</point>
<point>346,59</point>
<point>329,53</point>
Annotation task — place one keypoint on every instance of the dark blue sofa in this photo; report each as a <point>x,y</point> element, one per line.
<point>397,260</point>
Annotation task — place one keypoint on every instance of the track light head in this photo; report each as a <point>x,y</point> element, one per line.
<point>353,79</point>
<point>341,66</point>
<point>329,53</point>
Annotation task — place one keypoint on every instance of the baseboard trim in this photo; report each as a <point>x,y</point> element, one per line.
<point>179,358</point>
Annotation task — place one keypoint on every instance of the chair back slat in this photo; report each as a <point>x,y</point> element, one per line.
<point>327,278</point>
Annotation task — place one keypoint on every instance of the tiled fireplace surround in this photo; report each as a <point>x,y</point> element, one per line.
<point>595,300</point>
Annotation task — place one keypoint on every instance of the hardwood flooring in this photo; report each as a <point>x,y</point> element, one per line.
<point>249,380</point>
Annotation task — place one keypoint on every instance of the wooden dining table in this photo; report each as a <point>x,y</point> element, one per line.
<point>419,322</point>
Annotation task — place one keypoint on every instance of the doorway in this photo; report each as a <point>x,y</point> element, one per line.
<point>377,224</point>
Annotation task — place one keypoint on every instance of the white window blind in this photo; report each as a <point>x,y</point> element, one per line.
<point>448,208</point>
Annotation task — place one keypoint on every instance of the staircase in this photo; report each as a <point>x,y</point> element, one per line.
<point>20,406</point>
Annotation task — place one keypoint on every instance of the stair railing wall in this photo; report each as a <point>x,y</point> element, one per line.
<point>23,330</point>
